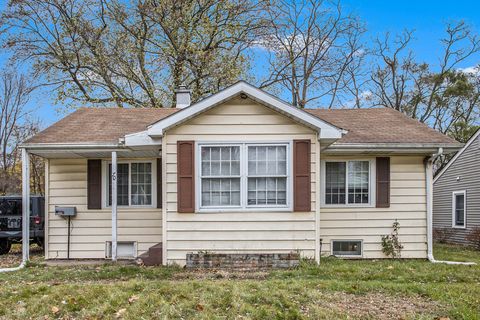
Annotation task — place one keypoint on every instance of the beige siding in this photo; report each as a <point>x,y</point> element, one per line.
<point>67,186</point>
<point>408,206</point>
<point>237,120</point>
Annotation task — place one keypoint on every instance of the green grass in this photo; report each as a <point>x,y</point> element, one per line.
<point>337,289</point>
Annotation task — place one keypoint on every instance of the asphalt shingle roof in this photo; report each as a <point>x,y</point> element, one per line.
<point>107,125</point>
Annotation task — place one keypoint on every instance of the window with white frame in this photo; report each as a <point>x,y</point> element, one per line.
<point>134,184</point>
<point>243,175</point>
<point>347,182</point>
<point>347,248</point>
<point>459,209</point>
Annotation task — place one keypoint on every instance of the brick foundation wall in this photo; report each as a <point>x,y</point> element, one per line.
<point>242,261</point>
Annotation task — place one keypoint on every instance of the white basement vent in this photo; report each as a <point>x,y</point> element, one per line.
<point>125,249</point>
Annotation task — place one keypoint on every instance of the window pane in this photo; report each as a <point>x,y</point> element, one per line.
<point>220,161</point>
<point>335,182</point>
<point>347,248</point>
<point>459,209</point>
<point>141,185</point>
<point>358,176</point>
<point>220,192</point>
<point>265,191</point>
<point>122,184</point>
<point>267,160</point>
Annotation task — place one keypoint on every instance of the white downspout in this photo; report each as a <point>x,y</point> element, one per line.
<point>25,213</point>
<point>429,189</point>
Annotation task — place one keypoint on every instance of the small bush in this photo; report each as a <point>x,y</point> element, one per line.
<point>474,237</point>
<point>442,235</point>
<point>391,245</point>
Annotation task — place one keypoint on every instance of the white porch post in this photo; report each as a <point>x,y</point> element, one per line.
<point>114,205</point>
<point>25,205</point>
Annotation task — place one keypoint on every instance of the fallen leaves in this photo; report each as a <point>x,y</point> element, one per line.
<point>55,310</point>
<point>119,314</point>
<point>132,299</point>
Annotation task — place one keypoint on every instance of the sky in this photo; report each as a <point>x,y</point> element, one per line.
<point>427,18</point>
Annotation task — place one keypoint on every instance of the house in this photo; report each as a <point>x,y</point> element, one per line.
<point>238,172</point>
<point>456,196</point>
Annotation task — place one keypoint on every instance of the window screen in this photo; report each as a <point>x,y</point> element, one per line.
<point>335,182</point>
<point>459,209</point>
<point>141,192</point>
<point>339,175</point>
<point>358,172</point>
<point>122,184</point>
<point>134,184</point>
<point>267,175</point>
<point>347,248</point>
<point>220,175</point>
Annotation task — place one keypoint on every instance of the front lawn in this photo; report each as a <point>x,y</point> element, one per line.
<point>337,289</point>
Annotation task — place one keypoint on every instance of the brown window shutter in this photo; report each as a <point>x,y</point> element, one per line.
<point>94,184</point>
<point>301,176</point>
<point>185,177</point>
<point>159,183</point>
<point>383,182</point>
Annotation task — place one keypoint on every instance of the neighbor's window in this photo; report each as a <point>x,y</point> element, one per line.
<point>346,248</point>
<point>259,170</point>
<point>347,182</point>
<point>134,184</point>
<point>459,208</point>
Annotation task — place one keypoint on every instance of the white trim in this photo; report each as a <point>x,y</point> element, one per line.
<point>371,184</point>
<point>244,207</point>
<point>325,130</point>
<point>141,139</point>
<point>454,205</point>
<point>105,164</point>
<point>459,153</point>
<point>347,255</point>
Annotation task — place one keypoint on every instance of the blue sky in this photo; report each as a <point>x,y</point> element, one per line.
<point>427,18</point>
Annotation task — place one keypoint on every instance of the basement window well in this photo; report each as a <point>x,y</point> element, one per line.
<point>125,249</point>
<point>347,248</point>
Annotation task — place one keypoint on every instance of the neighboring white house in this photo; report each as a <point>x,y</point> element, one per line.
<point>238,172</point>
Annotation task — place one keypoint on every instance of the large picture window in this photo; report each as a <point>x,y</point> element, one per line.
<point>347,182</point>
<point>459,209</point>
<point>243,176</point>
<point>134,184</point>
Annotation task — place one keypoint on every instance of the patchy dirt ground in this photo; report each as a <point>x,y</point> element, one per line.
<point>380,306</point>
<point>14,257</point>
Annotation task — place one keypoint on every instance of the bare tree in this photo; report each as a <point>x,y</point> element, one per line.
<point>119,53</point>
<point>315,51</point>
<point>439,95</point>
<point>14,128</point>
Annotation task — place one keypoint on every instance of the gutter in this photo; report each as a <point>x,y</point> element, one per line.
<point>429,188</point>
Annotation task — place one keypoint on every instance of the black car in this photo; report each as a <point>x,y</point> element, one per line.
<point>11,221</point>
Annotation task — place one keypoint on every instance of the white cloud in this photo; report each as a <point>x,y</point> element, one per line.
<point>473,70</point>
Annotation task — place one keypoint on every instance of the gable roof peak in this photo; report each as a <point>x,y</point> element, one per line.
<point>325,130</point>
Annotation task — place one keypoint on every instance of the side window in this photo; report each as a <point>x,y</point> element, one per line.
<point>459,209</point>
<point>347,182</point>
